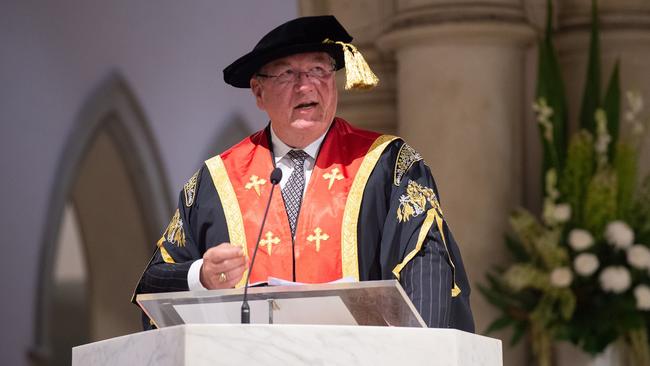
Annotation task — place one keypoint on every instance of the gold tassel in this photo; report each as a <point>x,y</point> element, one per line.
<point>358,74</point>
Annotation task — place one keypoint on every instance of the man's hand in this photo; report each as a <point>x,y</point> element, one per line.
<point>223,266</point>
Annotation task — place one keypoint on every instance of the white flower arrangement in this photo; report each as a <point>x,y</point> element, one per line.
<point>561,277</point>
<point>544,113</point>
<point>580,239</point>
<point>619,234</point>
<point>616,279</point>
<point>642,296</point>
<point>603,138</point>
<point>562,212</point>
<point>586,264</point>
<point>638,256</point>
<point>578,260</point>
<point>635,103</point>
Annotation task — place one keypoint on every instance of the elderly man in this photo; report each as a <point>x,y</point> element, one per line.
<point>354,203</point>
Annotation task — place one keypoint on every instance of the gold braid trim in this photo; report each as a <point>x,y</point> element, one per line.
<point>163,252</point>
<point>432,215</point>
<point>189,189</point>
<point>349,249</point>
<point>231,209</point>
<point>406,157</point>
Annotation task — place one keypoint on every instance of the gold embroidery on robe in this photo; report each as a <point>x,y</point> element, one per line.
<point>414,202</point>
<point>405,159</point>
<point>175,234</point>
<point>255,183</point>
<point>189,189</point>
<point>332,176</point>
<point>269,241</point>
<point>318,237</point>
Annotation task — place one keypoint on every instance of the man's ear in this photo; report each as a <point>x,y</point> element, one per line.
<point>256,89</point>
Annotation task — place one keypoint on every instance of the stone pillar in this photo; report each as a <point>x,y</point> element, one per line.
<point>365,20</point>
<point>461,104</point>
<point>625,35</point>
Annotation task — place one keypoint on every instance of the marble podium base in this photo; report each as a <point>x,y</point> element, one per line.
<point>292,345</point>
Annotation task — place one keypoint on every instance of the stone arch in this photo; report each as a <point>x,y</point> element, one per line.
<point>110,138</point>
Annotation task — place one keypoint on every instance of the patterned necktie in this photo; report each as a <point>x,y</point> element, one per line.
<point>292,191</point>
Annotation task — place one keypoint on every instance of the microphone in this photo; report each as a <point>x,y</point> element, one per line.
<point>276,177</point>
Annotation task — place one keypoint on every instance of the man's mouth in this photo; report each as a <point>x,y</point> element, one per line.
<point>306,105</point>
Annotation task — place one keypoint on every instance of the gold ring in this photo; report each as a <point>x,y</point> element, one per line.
<point>223,277</point>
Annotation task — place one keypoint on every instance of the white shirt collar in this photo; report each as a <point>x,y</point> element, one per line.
<point>280,149</point>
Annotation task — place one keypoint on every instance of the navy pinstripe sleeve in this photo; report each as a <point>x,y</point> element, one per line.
<point>402,211</point>
<point>164,277</point>
<point>427,280</point>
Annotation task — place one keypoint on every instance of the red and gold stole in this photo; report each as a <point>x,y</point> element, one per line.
<point>325,247</point>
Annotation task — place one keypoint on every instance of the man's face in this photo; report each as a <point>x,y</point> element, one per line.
<point>298,92</point>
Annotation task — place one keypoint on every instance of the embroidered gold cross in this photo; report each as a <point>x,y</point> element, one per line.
<point>255,183</point>
<point>318,237</point>
<point>331,176</point>
<point>269,241</point>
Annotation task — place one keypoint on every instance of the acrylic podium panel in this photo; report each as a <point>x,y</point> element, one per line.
<point>270,345</point>
<point>382,303</point>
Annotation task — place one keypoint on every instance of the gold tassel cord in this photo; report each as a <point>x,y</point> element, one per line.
<point>358,74</point>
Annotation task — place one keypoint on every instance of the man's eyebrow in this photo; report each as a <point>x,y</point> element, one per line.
<point>278,63</point>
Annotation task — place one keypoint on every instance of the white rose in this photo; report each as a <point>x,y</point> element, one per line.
<point>561,277</point>
<point>615,279</point>
<point>638,256</point>
<point>586,264</point>
<point>562,212</point>
<point>642,295</point>
<point>580,239</point>
<point>619,234</point>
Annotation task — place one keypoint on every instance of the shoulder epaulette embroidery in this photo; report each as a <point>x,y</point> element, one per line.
<point>405,158</point>
<point>414,202</point>
<point>189,189</point>
<point>175,234</point>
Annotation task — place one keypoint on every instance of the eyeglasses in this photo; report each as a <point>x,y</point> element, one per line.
<point>291,76</point>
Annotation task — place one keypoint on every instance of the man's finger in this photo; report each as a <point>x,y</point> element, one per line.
<point>222,252</point>
<point>228,264</point>
<point>235,275</point>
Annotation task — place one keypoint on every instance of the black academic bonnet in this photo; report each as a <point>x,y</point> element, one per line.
<point>300,35</point>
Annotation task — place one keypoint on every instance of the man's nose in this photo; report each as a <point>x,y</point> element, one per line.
<point>299,77</point>
<point>301,80</point>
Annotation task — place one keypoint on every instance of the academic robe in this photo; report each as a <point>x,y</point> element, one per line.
<point>399,230</point>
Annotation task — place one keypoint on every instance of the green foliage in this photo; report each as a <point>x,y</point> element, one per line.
<point>625,165</point>
<point>527,229</point>
<point>612,106</point>
<point>615,314</point>
<point>640,213</point>
<point>549,250</point>
<point>514,305</point>
<point>516,250</point>
<point>591,94</point>
<point>526,276</point>
<point>600,201</point>
<point>550,86</point>
<point>541,245</point>
<point>579,170</point>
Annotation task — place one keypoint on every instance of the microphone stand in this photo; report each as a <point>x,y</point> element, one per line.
<point>276,176</point>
